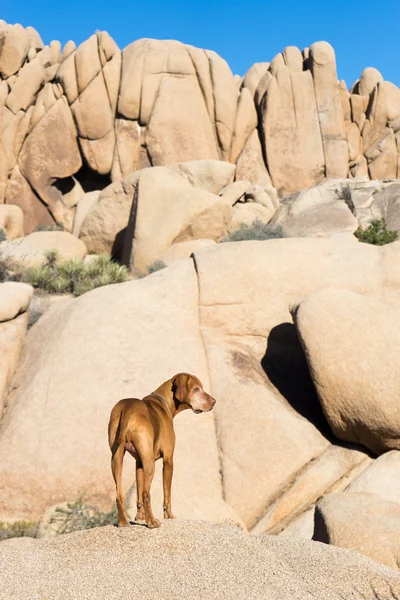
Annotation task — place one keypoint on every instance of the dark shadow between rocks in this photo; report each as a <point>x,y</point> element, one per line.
<point>286,367</point>
<point>118,245</point>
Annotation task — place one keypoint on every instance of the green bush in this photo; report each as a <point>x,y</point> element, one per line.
<point>156,266</point>
<point>3,235</point>
<point>74,277</point>
<point>256,231</point>
<point>377,234</point>
<point>17,529</point>
<point>78,515</point>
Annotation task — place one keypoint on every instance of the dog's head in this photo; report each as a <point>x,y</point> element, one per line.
<point>187,389</point>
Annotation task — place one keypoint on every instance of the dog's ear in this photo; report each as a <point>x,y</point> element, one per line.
<point>180,386</point>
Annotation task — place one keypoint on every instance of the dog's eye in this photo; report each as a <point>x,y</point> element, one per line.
<point>196,388</point>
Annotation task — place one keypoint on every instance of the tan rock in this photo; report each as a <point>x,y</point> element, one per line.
<point>337,158</point>
<point>184,250</point>
<point>362,522</point>
<point>30,251</point>
<point>370,77</point>
<point>353,142</point>
<point>310,485</point>
<point>357,110</point>
<point>14,46</point>
<point>380,478</point>
<point>29,81</point>
<point>169,210</point>
<point>318,211</point>
<point>247,214</point>
<point>322,63</point>
<point>85,205</point>
<point>254,75</point>
<point>246,122</point>
<point>242,389</point>
<point>20,193</point>
<point>235,191</point>
<point>383,157</point>
<point>47,156</point>
<point>301,527</point>
<point>250,164</point>
<point>291,130</point>
<point>209,175</point>
<point>336,327</point>
<point>12,335</point>
<point>392,93</point>
<point>118,368</point>
<point>104,226</point>
<point>14,298</point>
<point>12,221</point>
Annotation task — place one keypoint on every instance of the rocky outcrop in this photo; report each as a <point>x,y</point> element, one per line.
<point>184,554</point>
<point>362,522</point>
<point>289,123</point>
<point>30,251</point>
<point>346,339</point>
<point>235,333</point>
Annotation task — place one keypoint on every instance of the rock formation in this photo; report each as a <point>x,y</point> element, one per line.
<point>290,122</point>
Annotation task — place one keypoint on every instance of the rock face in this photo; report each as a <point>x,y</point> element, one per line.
<point>30,251</point>
<point>257,568</point>
<point>235,333</point>
<point>346,338</point>
<point>289,123</point>
<point>362,522</point>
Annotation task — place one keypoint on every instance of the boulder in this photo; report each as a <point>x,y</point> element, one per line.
<point>183,554</point>
<point>319,211</point>
<point>291,130</point>
<point>14,46</point>
<point>332,469</point>
<point>168,210</point>
<point>12,221</point>
<point>381,478</point>
<point>30,251</point>
<point>346,337</point>
<point>362,522</point>
<point>12,335</point>
<point>208,175</point>
<point>71,405</point>
<point>184,250</point>
<point>85,205</point>
<point>14,299</point>
<point>250,164</point>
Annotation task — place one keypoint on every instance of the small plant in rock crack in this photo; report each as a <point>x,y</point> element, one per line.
<point>345,194</point>
<point>377,234</point>
<point>256,231</point>
<point>157,265</point>
<point>3,235</point>
<point>78,515</point>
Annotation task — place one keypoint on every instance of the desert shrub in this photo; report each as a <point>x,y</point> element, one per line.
<point>73,276</point>
<point>17,529</point>
<point>55,227</point>
<point>78,515</point>
<point>377,234</point>
<point>156,266</point>
<point>345,194</point>
<point>3,235</point>
<point>256,231</point>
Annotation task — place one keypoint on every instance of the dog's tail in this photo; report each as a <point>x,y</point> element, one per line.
<point>114,426</point>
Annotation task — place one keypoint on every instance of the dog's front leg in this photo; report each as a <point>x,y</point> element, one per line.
<point>168,468</point>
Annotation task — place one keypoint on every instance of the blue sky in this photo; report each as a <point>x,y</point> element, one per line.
<point>363,33</point>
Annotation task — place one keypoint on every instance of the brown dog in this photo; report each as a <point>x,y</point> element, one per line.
<point>145,429</point>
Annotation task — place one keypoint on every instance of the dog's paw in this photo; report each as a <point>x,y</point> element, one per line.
<point>153,524</point>
<point>124,524</point>
<point>168,514</point>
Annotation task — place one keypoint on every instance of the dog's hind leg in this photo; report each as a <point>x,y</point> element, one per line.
<point>116,468</point>
<point>140,515</point>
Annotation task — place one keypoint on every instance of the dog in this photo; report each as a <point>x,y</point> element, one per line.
<point>144,428</point>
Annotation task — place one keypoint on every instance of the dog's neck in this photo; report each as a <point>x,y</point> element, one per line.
<point>165,393</point>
